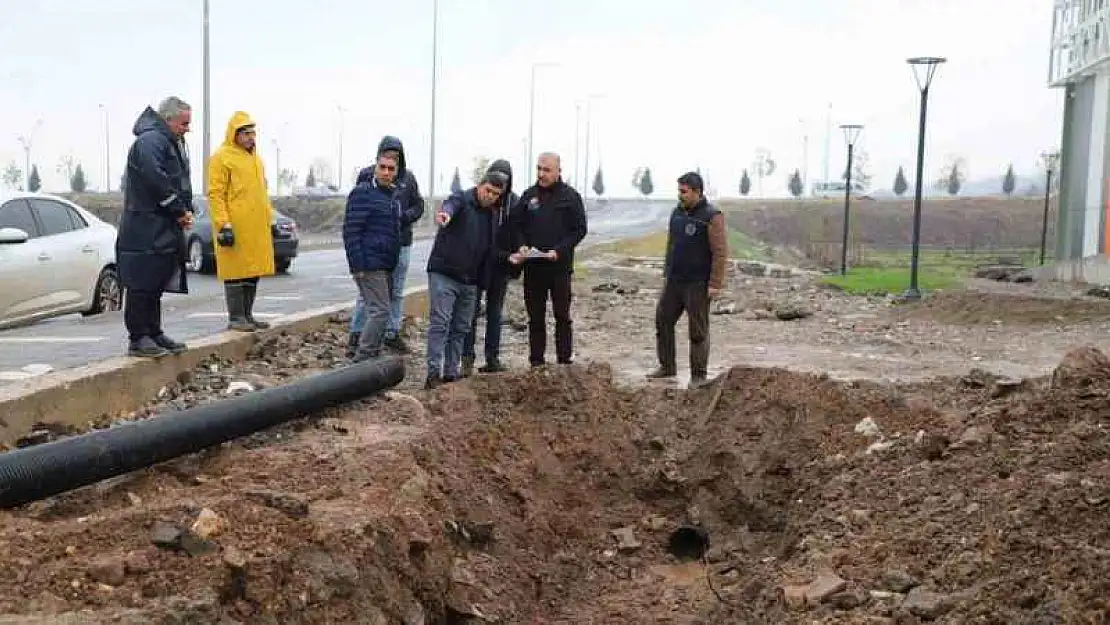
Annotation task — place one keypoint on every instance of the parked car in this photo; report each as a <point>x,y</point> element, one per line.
<point>202,254</point>
<point>56,258</point>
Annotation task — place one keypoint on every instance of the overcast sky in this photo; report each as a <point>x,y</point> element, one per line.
<point>677,85</point>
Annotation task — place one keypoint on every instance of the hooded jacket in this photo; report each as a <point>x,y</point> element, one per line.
<point>504,241</point>
<point>408,192</point>
<point>238,196</point>
<point>150,244</point>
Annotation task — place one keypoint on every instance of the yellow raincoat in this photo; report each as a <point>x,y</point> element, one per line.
<point>237,195</point>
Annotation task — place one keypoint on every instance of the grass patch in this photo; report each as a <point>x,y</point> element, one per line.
<point>884,280</point>
<point>740,246</point>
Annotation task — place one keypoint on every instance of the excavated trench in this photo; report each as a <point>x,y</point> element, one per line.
<point>559,497</point>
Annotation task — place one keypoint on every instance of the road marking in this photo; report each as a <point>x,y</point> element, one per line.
<point>282,298</point>
<point>52,339</point>
<point>213,315</point>
<point>28,371</point>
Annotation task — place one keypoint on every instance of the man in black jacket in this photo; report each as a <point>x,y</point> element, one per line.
<point>157,207</point>
<point>412,209</point>
<point>454,264</point>
<point>494,279</point>
<point>548,223</point>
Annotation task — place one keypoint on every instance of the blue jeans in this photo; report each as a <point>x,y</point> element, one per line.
<point>495,301</point>
<point>451,310</point>
<point>397,299</point>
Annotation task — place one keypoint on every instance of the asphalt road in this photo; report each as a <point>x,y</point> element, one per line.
<point>318,278</point>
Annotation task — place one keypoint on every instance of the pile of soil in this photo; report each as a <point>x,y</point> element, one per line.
<point>559,496</point>
<point>968,308</point>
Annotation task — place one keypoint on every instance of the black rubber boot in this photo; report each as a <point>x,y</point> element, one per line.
<point>237,307</point>
<point>250,290</point>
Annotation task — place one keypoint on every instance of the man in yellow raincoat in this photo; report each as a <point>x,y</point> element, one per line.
<point>241,216</point>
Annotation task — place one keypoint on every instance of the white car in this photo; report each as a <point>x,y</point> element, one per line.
<point>56,258</point>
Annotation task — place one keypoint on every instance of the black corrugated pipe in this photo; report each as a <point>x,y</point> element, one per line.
<point>34,473</point>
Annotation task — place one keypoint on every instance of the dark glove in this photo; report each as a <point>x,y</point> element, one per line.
<point>226,237</point>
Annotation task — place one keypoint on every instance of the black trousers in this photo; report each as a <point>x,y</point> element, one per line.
<point>142,313</point>
<point>693,299</point>
<point>540,282</point>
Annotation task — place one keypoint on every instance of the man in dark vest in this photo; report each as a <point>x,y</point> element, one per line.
<point>697,250</point>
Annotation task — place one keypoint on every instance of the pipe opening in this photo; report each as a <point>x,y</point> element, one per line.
<point>688,543</point>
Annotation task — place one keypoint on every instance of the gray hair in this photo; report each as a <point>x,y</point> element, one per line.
<point>171,107</point>
<point>551,155</point>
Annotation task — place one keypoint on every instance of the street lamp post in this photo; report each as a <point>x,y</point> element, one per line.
<point>339,173</point>
<point>1051,159</point>
<point>532,111</point>
<point>924,68</point>
<point>107,153</point>
<point>207,138</point>
<point>432,137</point>
<point>851,135</point>
<point>277,167</point>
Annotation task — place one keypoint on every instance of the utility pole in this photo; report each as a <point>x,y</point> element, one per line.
<point>207,139</point>
<point>532,112</point>
<point>577,138</point>
<point>277,167</point>
<point>339,172</point>
<point>432,141</point>
<point>828,134</point>
<point>805,157</point>
<point>586,166</point>
<point>107,153</point>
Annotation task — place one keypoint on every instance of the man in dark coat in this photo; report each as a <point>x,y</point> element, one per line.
<point>548,223</point>
<point>157,207</point>
<point>412,208</point>
<point>493,279</point>
<point>372,241</point>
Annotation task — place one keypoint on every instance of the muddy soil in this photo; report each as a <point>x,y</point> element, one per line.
<point>964,487</point>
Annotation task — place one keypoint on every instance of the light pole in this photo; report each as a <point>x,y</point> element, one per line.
<point>532,111</point>
<point>339,173</point>
<point>924,68</point>
<point>577,139</point>
<point>432,136</point>
<point>1051,160</point>
<point>586,180</point>
<point>277,167</point>
<point>107,153</point>
<point>851,135</point>
<point>207,138</point>
<point>27,141</point>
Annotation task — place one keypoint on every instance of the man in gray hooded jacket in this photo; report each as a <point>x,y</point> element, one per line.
<point>412,208</point>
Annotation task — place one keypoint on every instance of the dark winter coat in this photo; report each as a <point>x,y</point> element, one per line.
<point>504,242</point>
<point>551,219</point>
<point>463,247</point>
<point>372,228</point>
<point>150,244</point>
<point>408,191</point>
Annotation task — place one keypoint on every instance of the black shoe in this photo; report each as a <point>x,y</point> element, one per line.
<point>537,364</point>
<point>447,379</point>
<point>146,348</point>
<point>432,382</point>
<point>397,344</point>
<point>352,343</point>
<point>661,373</point>
<point>493,366</point>
<point>564,362</point>
<point>174,347</point>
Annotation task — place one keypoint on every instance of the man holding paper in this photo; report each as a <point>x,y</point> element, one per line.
<point>549,221</point>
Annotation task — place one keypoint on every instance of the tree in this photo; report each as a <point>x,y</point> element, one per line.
<point>1008,181</point>
<point>860,174</point>
<point>599,183</point>
<point>481,164</point>
<point>456,183</point>
<point>646,186</point>
<point>900,184</point>
<point>323,172</point>
<point>66,165</point>
<point>34,181</point>
<point>310,179</point>
<point>286,179</point>
<point>795,185</point>
<point>78,183</point>
<point>954,180</point>
<point>12,176</point>
<point>745,184</point>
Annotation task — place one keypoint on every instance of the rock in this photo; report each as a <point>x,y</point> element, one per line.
<point>933,446</point>
<point>975,435</point>
<point>725,308</point>
<point>879,447</point>
<point>826,585</point>
<point>166,535</point>
<point>867,427</point>
<point>136,563</point>
<point>752,268</point>
<point>899,581</point>
<point>234,559</point>
<point>107,570</point>
<point>626,539</point>
<point>791,312</point>
<point>195,545</point>
<point>238,386</point>
<point>1005,386</point>
<point>1001,273</point>
<point>794,596</point>
<point>208,524</point>
<point>849,599</point>
<point>1080,367</point>
<point>926,604</point>
<point>606,287</point>
<point>290,504</point>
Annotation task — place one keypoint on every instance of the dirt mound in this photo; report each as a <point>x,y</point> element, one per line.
<point>961,307</point>
<point>559,496</point>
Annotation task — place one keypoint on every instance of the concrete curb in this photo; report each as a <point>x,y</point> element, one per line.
<point>123,384</point>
